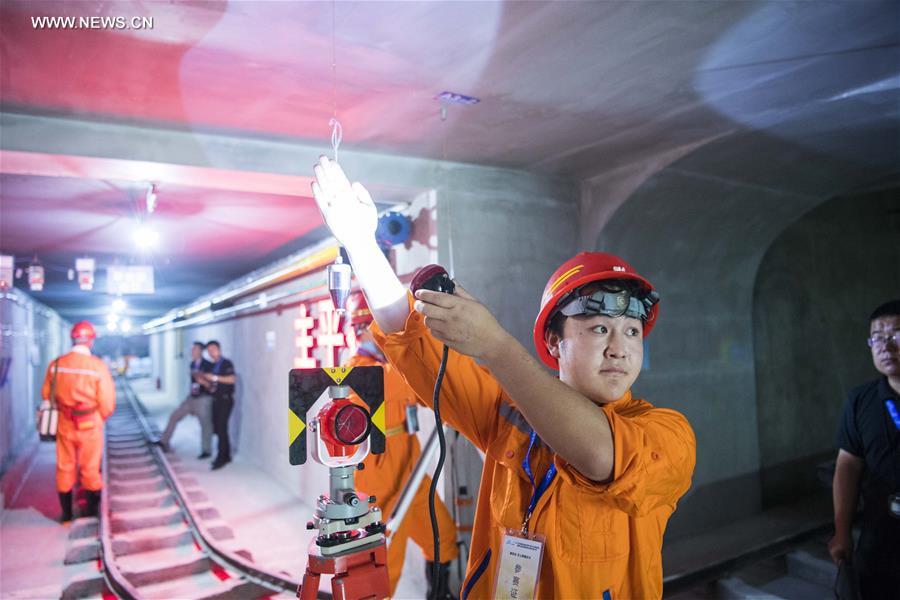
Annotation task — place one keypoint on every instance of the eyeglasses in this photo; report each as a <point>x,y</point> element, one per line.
<point>884,340</point>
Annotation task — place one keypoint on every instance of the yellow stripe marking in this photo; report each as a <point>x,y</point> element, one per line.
<point>338,374</point>
<point>562,278</point>
<point>378,418</point>
<point>295,426</point>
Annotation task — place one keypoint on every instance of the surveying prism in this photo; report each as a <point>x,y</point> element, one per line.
<point>347,422</point>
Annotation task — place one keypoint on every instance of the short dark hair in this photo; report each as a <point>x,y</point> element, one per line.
<point>891,308</point>
<point>214,343</point>
<point>201,344</point>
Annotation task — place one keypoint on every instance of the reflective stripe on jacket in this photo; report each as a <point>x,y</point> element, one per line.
<point>599,537</point>
<point>83,386</point>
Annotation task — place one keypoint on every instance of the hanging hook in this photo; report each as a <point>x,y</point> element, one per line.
<point>337,134</point>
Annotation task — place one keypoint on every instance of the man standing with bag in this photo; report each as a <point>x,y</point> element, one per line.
<point>82,389</point>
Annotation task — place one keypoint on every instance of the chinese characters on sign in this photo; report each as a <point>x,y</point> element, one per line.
<point>318,337</point>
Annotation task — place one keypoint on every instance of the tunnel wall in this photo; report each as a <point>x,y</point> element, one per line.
<point>32,335</point>
<point>815,288</point>
<point>699,229</point>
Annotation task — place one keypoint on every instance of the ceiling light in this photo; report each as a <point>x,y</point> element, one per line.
<point>112,325</point>
<point>119,305</point>
<point>456,98</point>
<point>126,326</point>
<point>146,237</point>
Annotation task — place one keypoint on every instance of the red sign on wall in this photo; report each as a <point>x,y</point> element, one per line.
<point>319,338</point>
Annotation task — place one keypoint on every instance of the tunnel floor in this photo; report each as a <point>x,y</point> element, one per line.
<point>268,520</point>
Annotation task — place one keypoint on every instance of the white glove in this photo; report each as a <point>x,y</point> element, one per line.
<point>347,208</point>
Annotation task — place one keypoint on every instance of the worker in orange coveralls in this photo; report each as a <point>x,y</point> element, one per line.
<point>85,397</point>
<point>385,475</point>
<point>580,477</point>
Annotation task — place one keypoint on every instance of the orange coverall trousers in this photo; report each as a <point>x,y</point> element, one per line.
<point>385,475</point>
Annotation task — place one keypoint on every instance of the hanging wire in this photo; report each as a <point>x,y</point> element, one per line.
<point>450,269</point>
<point>337,132</point>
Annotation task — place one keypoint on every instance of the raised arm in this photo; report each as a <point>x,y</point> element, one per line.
<point>576,428</point>
<point>351,215</point>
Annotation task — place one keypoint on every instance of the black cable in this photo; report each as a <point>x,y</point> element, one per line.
<point>442,454</point>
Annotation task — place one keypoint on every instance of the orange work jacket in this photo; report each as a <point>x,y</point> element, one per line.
<point>83,384</point>
<point>600,538</point>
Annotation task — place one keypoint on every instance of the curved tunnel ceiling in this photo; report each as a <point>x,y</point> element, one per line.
<point>795,98</point>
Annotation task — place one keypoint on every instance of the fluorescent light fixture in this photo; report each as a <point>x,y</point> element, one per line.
<point>146,237</point>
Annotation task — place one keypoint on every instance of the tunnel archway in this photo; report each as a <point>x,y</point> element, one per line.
<point>815,287</point>
<point>699,229</point>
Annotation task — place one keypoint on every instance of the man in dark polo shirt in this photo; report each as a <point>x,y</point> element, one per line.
<point>869,462</point>
<point>198,403</point>
<point>221,379</point>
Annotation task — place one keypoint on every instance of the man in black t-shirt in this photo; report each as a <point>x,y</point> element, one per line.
<point>221,379</point>
<point>198,403</point>
<point>869,462</point>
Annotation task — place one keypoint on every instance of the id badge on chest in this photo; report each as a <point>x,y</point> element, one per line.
<point>519,566</point>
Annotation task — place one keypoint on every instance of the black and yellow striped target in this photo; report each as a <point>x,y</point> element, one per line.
<point>309,385</point>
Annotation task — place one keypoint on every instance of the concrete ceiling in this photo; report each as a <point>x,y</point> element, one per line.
<point>571,89</point>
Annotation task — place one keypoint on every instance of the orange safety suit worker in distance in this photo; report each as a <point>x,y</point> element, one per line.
<point>601,539</point>
<point>385,475</point>
<point>85,397</point>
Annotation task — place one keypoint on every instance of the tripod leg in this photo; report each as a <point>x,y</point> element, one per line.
<point>309,587</point>
<point>362,581</point>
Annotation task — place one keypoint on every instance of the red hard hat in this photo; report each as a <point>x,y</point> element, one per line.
<point>358,309</point>
<point>579,270</point>
<point>83,330</point>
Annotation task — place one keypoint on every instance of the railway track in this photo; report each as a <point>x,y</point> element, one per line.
<point>157,538</point>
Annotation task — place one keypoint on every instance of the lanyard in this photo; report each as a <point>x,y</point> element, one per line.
<point>892,409</point>
<point>539,489</point>
<point>217,366</point>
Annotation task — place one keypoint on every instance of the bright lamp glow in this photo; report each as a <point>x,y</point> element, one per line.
<point>146,237</point>
<point>119,305</point>
<point>112,324</point>
<point>125,326</point>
